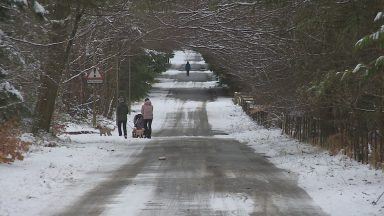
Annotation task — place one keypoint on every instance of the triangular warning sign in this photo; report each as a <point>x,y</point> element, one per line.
<point>94,76</point>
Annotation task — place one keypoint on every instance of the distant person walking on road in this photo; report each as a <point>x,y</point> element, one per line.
<point>187,68</point>
<point>121,117</point>
<point>147,111</point>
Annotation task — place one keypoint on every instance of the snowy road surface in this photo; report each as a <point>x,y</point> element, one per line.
<point>210,167</point>
<point>201,173</point>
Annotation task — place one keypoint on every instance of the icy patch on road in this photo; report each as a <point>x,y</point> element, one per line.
<point>236,204</point>
<point>173,72</point>
<point>180,114</point>
<point>175,85</point>
<point>130,202</point>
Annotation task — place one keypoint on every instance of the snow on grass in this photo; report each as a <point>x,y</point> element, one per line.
<point>339,185</point>
<point>223,115</point>
<point>43,178</point>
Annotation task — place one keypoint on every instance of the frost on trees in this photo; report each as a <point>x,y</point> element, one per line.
<point>10,97</point>
<point>39,9</point>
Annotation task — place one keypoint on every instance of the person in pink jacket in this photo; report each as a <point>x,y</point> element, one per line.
<point>147,111</point>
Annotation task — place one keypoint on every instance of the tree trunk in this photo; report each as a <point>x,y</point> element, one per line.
<point>57,57</point>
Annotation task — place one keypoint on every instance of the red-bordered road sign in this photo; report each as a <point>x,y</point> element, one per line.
<point>94,76</point>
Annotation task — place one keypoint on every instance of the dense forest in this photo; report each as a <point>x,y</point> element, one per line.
<point>294,57</point>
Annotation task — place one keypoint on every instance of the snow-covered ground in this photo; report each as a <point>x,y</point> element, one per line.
<point>50,177</point>
<point>339,185</point>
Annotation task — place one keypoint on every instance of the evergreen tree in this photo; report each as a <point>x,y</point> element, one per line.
<point>144,69</point>
<point>10,57</point>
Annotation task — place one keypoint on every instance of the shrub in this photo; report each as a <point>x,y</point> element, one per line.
<point>11,147</point>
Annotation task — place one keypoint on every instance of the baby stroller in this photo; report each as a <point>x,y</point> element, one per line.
<point>138,129</point>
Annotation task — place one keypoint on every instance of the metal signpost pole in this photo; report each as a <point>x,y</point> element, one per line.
<point>117,78</point>
<point>94,106</point>
<point>94,77</point>
<point>129,81</point>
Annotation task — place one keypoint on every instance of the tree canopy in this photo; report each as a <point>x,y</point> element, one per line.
<point>291,55</point>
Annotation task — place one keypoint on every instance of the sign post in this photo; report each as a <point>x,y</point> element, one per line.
<point>94,77</point>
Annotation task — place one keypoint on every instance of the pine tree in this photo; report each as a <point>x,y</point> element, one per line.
<point>375,39</point>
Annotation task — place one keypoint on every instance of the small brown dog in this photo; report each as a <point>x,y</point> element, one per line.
<point>104,130</point>
<point>138,132</point>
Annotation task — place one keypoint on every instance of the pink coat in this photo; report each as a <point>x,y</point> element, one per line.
<point>147,110</point>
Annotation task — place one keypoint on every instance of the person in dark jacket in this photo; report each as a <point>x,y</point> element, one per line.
<point>121,117</point>
<point>187,68</point>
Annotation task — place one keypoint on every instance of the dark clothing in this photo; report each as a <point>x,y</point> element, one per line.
<point>121,118</point>
<point>138,121</point>
<point>121,112</point>
<point>148,128</point>
<point>124,123</point>
<point>187,68</point>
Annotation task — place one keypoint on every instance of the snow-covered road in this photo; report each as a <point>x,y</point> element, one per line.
<point>201,174</point>
<point>217,162</point>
